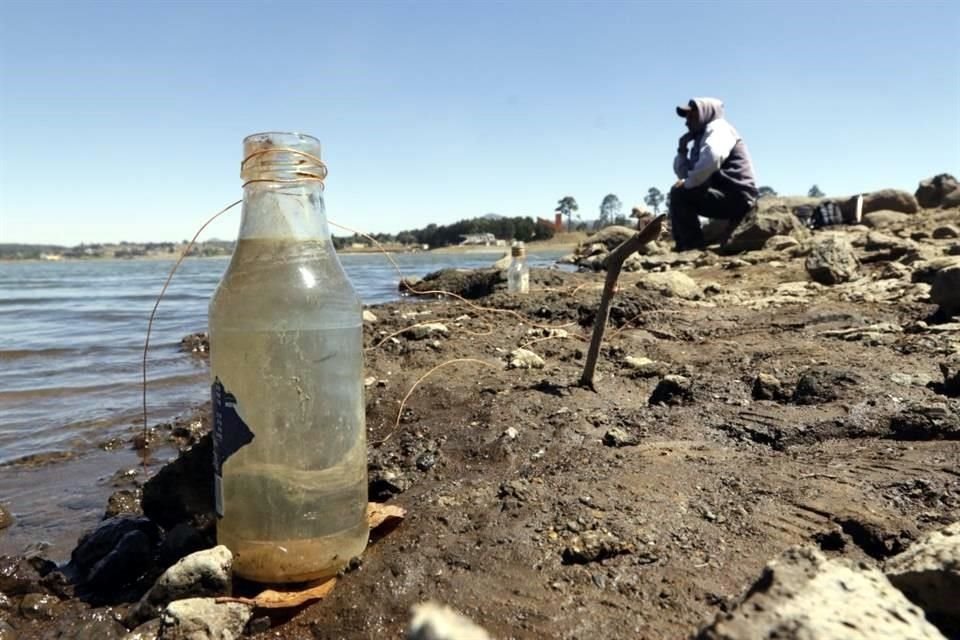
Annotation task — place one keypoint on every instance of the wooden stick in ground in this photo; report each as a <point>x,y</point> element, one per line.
<point>614,265</point>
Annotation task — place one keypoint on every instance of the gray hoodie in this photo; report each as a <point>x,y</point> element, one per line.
<point>718,156</point>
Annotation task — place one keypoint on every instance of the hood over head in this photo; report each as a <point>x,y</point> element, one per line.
<point>710,109</point>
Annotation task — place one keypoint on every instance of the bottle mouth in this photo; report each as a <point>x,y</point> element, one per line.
<point>277,156</point>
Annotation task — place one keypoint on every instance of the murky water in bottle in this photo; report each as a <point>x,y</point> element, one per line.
<point>305,469</point>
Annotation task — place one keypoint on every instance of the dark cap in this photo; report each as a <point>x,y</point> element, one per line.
<point>684,109</point>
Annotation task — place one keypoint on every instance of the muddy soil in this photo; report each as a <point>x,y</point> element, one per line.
<point>545,510</point>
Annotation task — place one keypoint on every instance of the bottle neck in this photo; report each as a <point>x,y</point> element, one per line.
<point>284,211</point>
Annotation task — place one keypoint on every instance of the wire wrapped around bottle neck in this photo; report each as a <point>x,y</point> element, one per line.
<point>316,170</point>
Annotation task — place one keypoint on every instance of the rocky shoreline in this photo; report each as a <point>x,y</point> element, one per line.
<point>773,447</point>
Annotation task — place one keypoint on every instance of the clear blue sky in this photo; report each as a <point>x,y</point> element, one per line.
<point>123,120</point>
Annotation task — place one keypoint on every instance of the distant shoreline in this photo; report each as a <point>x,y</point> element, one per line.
<point>563,241</point>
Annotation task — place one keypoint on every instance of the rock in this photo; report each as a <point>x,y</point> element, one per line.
<point>896,247</point>
<point>433,621</point>
<point>593,546</point>
<point>674,284</point>
<point>427,330</point>
<point>510,433</point>
<point>6,604</point>
<point>931,192</point>
<point>386,482</point>
<point>426,461</point>
<point>180,542</point>
<point>877,219</point>
<point>759,226</point>
<point>645,367</point>
<point>18,576</point>
<point>368,316</point>
<point>781,243</point>
<point>6,631</point>
<point>147,631</point>
<point>597,262</point>
<point>39,606</point>
<point>946,231</point>
<point>125,502</point>
<point>182,491</point>
<point>832,261</point>
<point>610,237</point>
<point>207,573</point>
<point>617,437</point>
<point>945,290</point>
<point>195,343</point>
<point>466,283</point>
<point>822,384</point>
<point>895,271</point>
<point>928,573</point>
<point>95,625</point>
<point>672,390</point>
<point>767,387</point>
<point>524,359</point>
<point>951,200</point>
<point>204,619</point>
<point>124,565</point>
<point>883,200</point>
<point>634,262</point>
<point>6,518</point>
<point>803,596</point>
<point>515,492</point>
<point>114,556</point>
<point>951,377</point>
<point>926,422</point>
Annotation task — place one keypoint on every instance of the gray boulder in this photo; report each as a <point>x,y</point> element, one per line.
<point>884,218</point>
<point>932,191</point>
<point>673,284</point>
<point>894,246</point>
<point>427,330</point>
<point>803,596</point>
<point>204,619</point>
<point>525,359</point>
<point>759,226</point>
<point>945,290</point>
<point>883,200</point>
<point>782,243</point>
<point>832,261</point>
<point>928,573</point>
<point>206,573</point>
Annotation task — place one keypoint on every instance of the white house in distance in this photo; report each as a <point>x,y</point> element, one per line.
<point>485,239</point>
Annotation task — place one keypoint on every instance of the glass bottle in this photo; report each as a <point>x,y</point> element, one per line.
<point>518,274</point>
<point>287,365</point>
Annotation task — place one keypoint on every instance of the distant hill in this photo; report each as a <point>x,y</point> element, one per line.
<point>492,216</point>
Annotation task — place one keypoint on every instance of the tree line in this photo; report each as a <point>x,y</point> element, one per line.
<point>521,228</point>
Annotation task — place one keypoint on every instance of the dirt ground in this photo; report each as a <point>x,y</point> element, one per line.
<point>553,534</point>
<point>541,509</point>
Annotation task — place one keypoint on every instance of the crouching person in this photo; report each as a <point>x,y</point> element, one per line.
<point>715,175</point>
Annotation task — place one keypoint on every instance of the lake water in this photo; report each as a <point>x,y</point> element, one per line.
<point>72,333</point>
